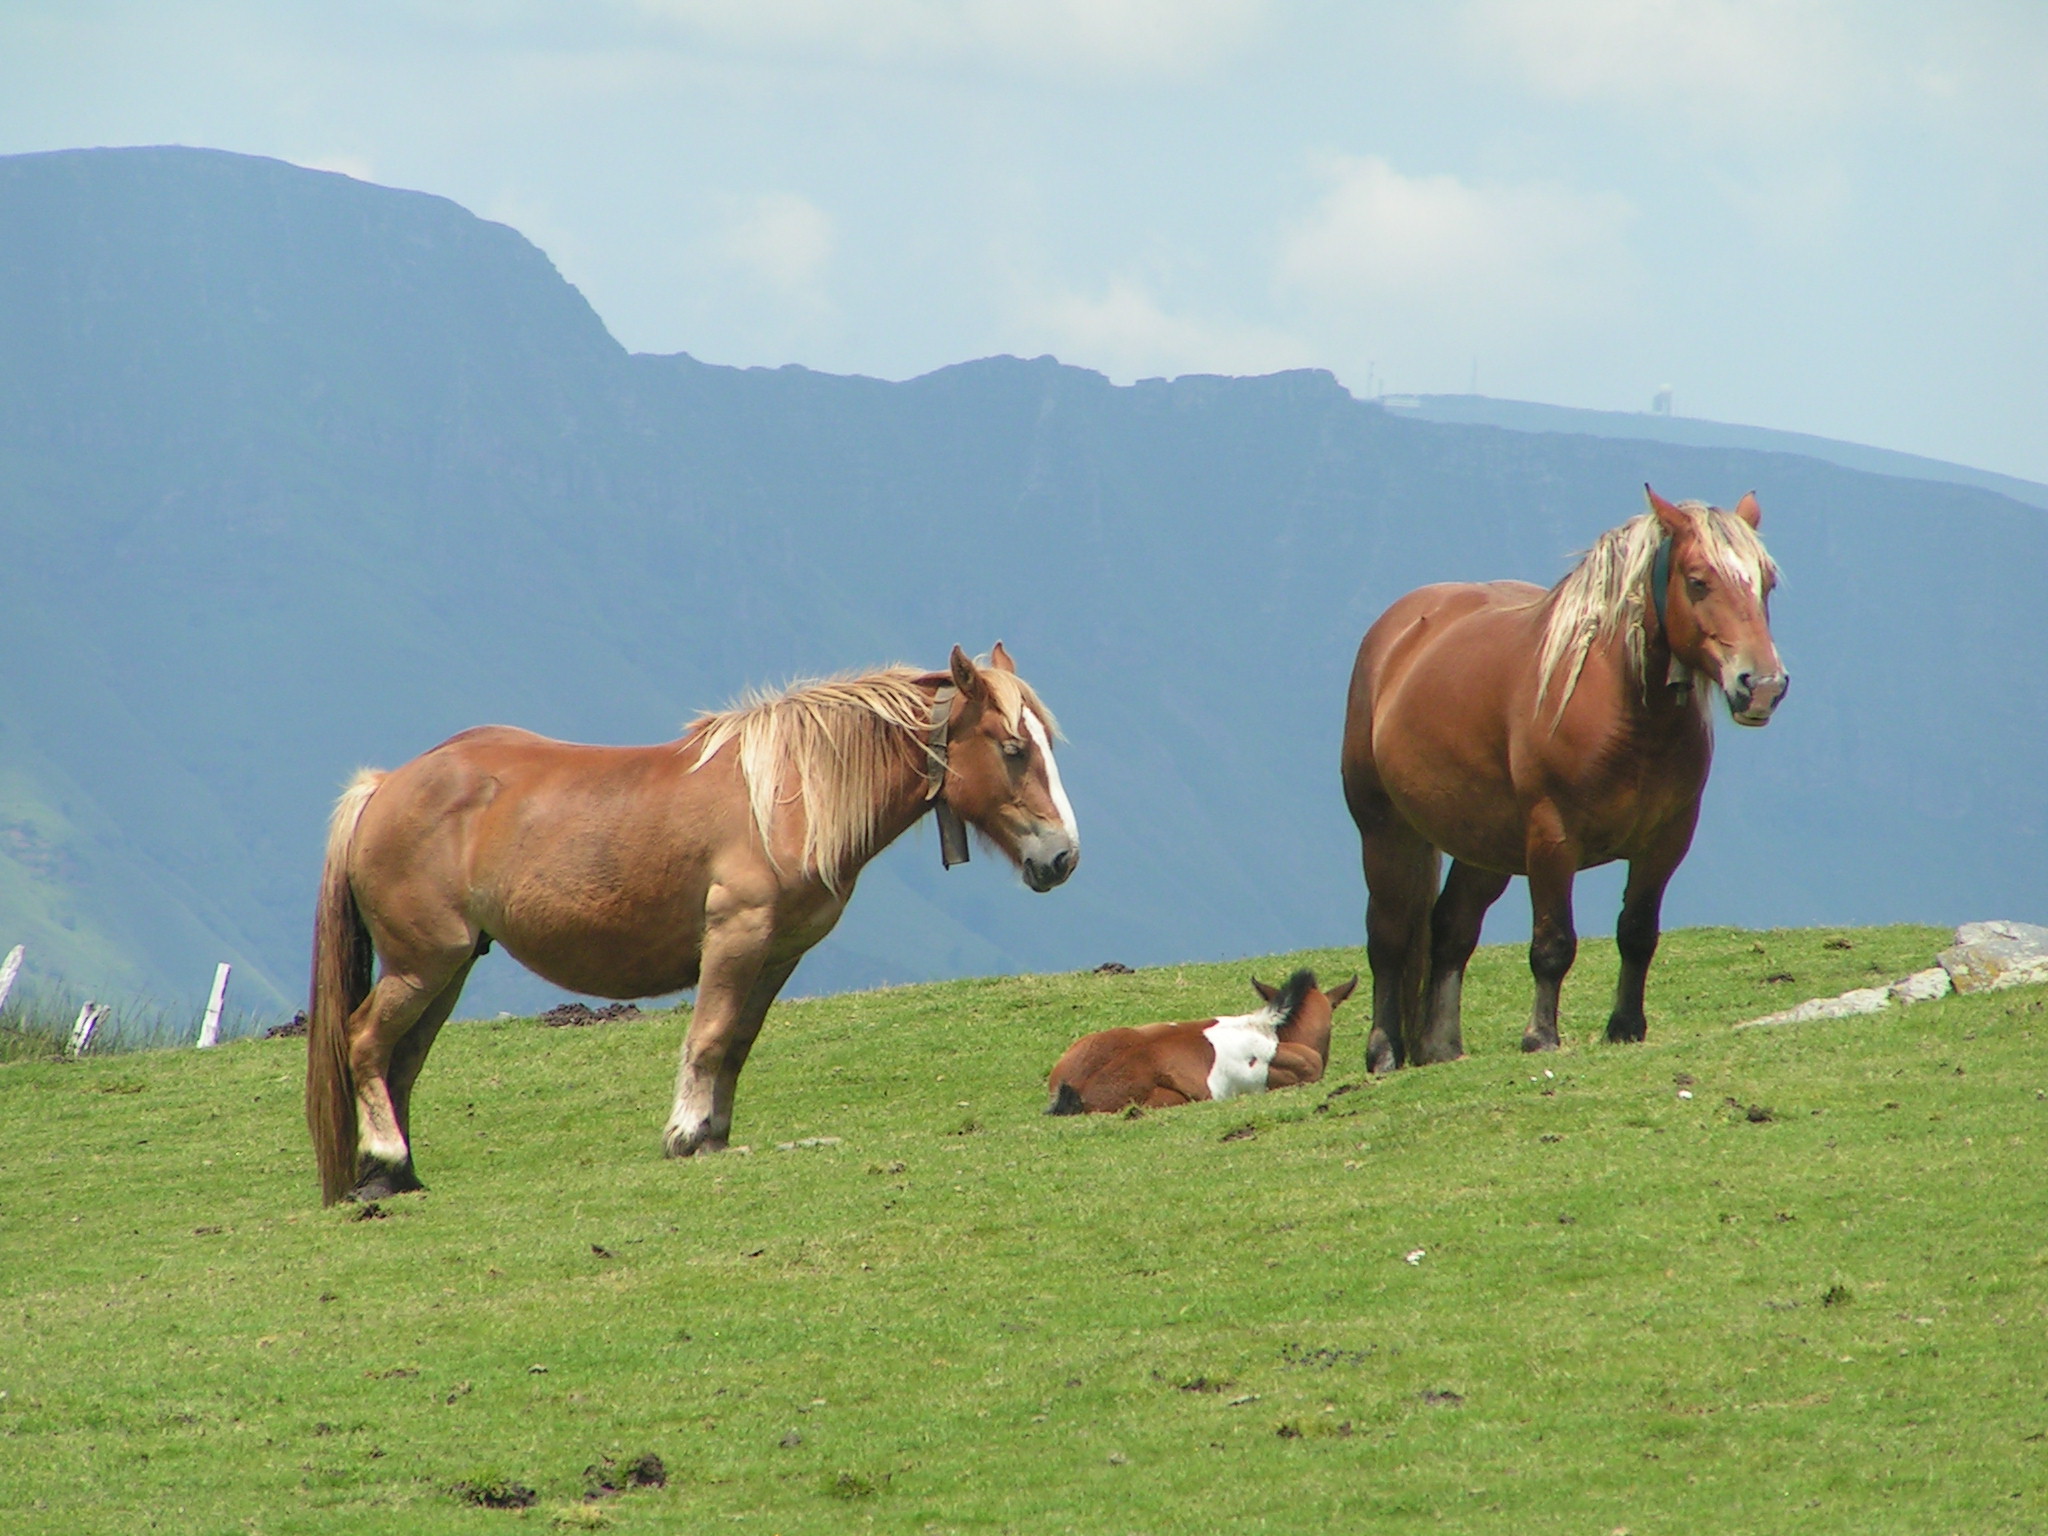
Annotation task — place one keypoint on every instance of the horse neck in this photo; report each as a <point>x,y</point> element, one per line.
<point>901,803</point>
<point>1645,705</point>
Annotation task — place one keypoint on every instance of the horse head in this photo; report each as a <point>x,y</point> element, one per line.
<point>1000,775</point>
<point>1711,586</point>
<point>1305,1010</point>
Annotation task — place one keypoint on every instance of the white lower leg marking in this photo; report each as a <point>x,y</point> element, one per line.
<point>377,1128</point>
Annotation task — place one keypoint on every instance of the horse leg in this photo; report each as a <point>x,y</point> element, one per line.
<point>1292,1066</point>
<point>746,1029</point>
<point>1553,941</point>
<point>1400,884</point>
<point>734,951</point>
<point>376,1030</point>
<point>411,1052</point>
<point>1453,934</point>
<point>1635,936</point>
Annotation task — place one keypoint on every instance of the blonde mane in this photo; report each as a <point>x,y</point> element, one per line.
<point>1609,589</point>
<point>834,745</point>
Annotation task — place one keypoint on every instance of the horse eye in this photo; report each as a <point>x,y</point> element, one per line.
<point>1014,748</point>
<point>1694,587</point>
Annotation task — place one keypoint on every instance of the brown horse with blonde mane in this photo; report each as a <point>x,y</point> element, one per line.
<point>1526,732</point>
<point>1156,1066</point>
<point>714,861</point>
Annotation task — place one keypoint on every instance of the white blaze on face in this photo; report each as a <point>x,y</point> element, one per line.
<point>1036,728</point>
<point>1244,1047</point>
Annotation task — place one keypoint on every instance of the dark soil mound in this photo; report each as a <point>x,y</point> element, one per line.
<point>577,1015</point>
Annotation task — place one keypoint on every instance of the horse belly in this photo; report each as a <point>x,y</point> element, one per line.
<point>640,961</point>
<point>590,920</point>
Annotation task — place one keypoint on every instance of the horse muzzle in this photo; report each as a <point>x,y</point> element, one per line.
<point>1753,700</point>
<point>1049,861</point>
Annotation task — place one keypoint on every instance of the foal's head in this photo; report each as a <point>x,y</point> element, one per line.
<point>1715,602</point>
<point>1000,773</point>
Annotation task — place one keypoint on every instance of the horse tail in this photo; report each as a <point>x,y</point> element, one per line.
<point>1067,1101</point>
<point>342,959</point>
<point>1415,965</point>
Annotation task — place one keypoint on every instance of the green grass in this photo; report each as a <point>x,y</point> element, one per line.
<point>1631,1310</point>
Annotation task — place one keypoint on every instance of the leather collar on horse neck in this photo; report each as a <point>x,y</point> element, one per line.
<point>1678,675</point>
<point>952,832</point>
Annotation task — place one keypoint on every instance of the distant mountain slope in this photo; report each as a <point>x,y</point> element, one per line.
<point>1527,416</point>
<point>298,473</point>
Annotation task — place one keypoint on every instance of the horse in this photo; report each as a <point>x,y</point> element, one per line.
<point>1155,1066</point>
<point>1526,732</point>
<point>713,861</point>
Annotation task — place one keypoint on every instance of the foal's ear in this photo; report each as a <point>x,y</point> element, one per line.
<point>1000,659</point>
<point>1270,994</point>
<point>968,679</point>
<point>1749,510</point>
<point>1337,995</point>
<point>1667,514</point>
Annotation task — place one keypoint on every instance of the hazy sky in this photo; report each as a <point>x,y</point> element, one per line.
<point>1828,217</point>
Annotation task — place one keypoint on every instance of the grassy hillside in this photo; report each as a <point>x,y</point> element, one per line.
<point>1809,1297</point>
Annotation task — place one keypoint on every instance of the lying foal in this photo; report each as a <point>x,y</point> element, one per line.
<point>1159,1065</point>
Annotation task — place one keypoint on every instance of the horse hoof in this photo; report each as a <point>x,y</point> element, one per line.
<point>1627,1031</point>
<point>382,1183</point>
<point>1532,1043</point>
<point>687,1144</point>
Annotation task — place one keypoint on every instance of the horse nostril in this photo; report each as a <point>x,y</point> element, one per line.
<point>1062,862</point>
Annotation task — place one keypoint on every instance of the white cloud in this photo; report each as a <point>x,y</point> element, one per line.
<point>1719,61</point>
<point>782,240</point>
<point>1127,335</point>
<point>1172,37</point>
<point>1470,259</point>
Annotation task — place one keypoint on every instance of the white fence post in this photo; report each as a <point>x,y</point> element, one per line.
<point>209,1028</point>
<point>9,969</point>
<point>89,1019</point>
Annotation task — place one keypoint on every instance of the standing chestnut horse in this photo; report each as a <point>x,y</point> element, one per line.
<point>715,861</point>
<point>1537,733</point>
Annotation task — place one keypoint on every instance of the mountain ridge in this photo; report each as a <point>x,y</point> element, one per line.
<point>333,499</point>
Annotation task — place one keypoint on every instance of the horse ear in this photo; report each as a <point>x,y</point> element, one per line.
<point>1749,510</point>
<point>1667,514</point>
<point>1000,659</point>
<point>967,678</point>
<point>1338,994</point>
<point>1270,994</point>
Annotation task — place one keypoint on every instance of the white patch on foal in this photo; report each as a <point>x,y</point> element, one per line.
<point>1244,1047</point>
<point>1060,803</point>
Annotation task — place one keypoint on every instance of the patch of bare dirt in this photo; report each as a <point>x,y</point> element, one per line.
<point>582,1015</point>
